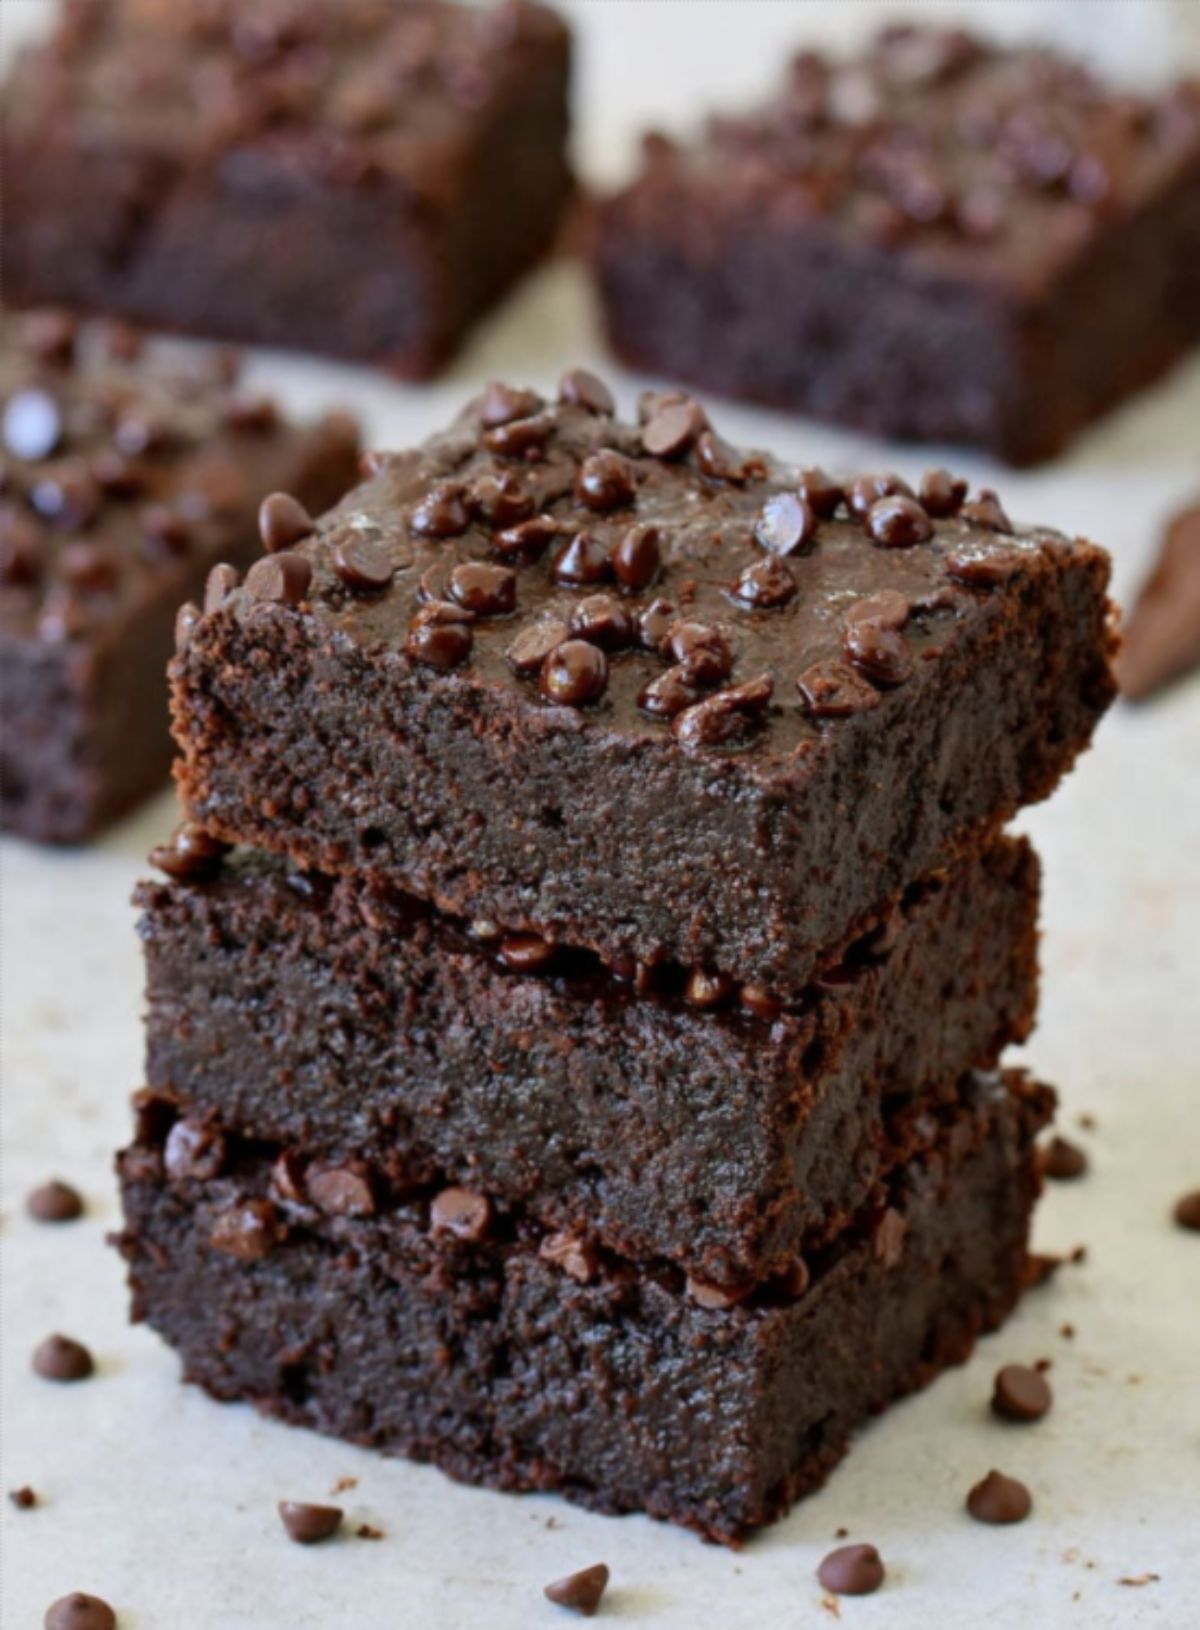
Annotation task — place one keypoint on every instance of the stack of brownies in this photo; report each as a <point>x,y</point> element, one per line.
<point>584,1078</point>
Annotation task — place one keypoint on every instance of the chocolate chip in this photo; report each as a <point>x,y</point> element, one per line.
<point>673,428</point>
<point>669,694</point>
<point>462,1213</point>
<point>488,591</point>
<point>573,1253</point>
<point>341,1191</point>
<point>33,425</point>
<point>51,336</point>
<point>980,567</point>
<point>887,609</point>
<point>574,673</point>
<point>785,524</point>
<point>529,539</point>
<point>363,564</point>
<point>309,1524</point>
<point>766,585</point>
<point>942,494</point>
<point>605,481</point>
<point>502,404</point>
<point>441,513</point>
<point>585,390</point>
<point>866,490</point>
<point>879,652</point>
<point>987,512</point>
<point>190,854</point>
<point>702,652</point>
<point>704,989</point>
<point>527,953</point>
<point>280,579</point>
<point>167,533</point>
<point>795,1278</point>
<point>67,494</point>
<point>194,1150</point>
<point>898,522</point>
<point>534,644</point>
<point>522,438</point>
<point>820,492</point>
<point>999,1499</point>
<point>757,999</point>
<point>54,1202</point>
<point>584,562</point>
<point>186,620</point>
<point>721,461</point>
<point>654,623</point>
<point>716,1298</point>
<point>638,557</point>
<point>1187,1211</point>
<point>602,620</point>
<point>78,1611</point>
<point>60,1358</point>
<point>247,1231</point>
<point>1020,1394</point>
<point>851,1570</point>
<point>440,636</point>
<point>834,691</point>
<point>283,521</point>
<point>501,500</point>
<point>23,1498</point>
<point>220,584</point>
<point>726,718</point>
<point>1063,1161</point>
<point>581,1592</point>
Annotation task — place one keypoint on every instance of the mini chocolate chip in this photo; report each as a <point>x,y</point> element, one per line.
<point>986,512</point>
<point>655,623</point>
<point>283,521</point>
<point>363,564</point>
<point>574,673</point>
<point>766,585</point>
<point>1187,1211</point>
<point>581,1592</point>
<point>584,562</point>
<point>605,481</point>
<point>51,336</point>
<point>247,1230</point>
<point>820,492</point>
<point>602,620</point>
<point>898,522</point>
<point>341,1191</point>
<point>488,591</point>
<point>879,652</point>
<point>529,539</point>
<point>704,989</point>
<point>54,1202</point>
<point>1021,1394</point>
<point>941,493</point>
<point>281,579</point>
<point>220,584</point>
<point>33,425</point>
<point>462,1213</point>
<point>721,461</point>
<point>726,718</point>
<point>702,652</point>
<point>887,609</point>
<point>573,1253</point>
<point>527,953</point>
<point>866,490</point>
<point>194,1150</point>
<point>1063,1160</point>
<point>785,524</point>
<point>441,513</point>
<point>999,1499</point>
<point>757,999</point>
<point>440,636</point>
<point>167,533</point>
<point>673,428</point>
<point>582,388</point>
<point>981,567</point>
<point>834,691</point>
<point>851,1570</point>
<point>67,494</point>
<point>60,1358</point>
<point>501,500</point>
<point>638,557</point>
<point>309,1524</point>
<point>23,1498</point>
<point>186,620</point>
<point>534,644</point>
<point>716,1298</point>
<point>501,404</point>
<point>522,438</point>
<point>79,1611</point>
<point>89,567</point>
<point>669,694</point>
<point>190,855</point>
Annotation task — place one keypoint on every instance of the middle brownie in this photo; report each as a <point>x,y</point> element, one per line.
<point>355,1025</point>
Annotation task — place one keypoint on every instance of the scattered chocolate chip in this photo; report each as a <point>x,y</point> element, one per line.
<point>254,415</point>
<point>23,1498</point>
<point>341,1191</point>
<point>60,1358</point>
<point>716,1298</point>
<point>501,404</point>
<point>941,493</point>
<point>54,1202</point>
<point>702,652</point>
<point>363,564</point>
<point>983,568</point>
<point>654,623</point>
<point>867,490</point>
<point>879,652</point>
<point>898,522</point>
<point>757,999</point>
<point>673,428</point>
<point>574,673</point>
<point>1063,1160</point>
<point>704,989</point>
<point>987,512</point>
<point>78,1611</point>
<point>670,693</point>
<point>246,1231</point>
<point>581,1592</point>
<point>501,500</point>
<point>190,854</point>
<point>999,1499</point>
<point>602,620</point>
<point>584,562</point>
<point>820,492</point>
<point>637,558</point>
<point>140,434</point>
<point>33,425</point>
<point>440,636</point>
<point>605,481</point>
<point>833,690</point>
<point>488,591</point>
<point>766,585</point>
<point>575,1255</point>
<point>1187,1211</point>
<point>886,609</point>
<point>523,438</point>
<point>194,1150</point>
<point>852,1570</point>
<point>725,719</point>
<point>585,390</point>
<point>441,513</point>
<point>534,644</point>
<point>721,461</point>
<point>221,582</point>
<point>51,336</point>
<point>785,524</point>
<point>527,953</point>
<point>462,1213</point>
<point>281,579</point>
<point>529,539</point>
<point>1021,1394</point>
<point>115,473</point>
<point>309,1524</point>
<point>283,521</point>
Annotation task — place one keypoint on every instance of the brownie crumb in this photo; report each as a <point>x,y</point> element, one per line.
<point>1139,1579</point>
<point>581,1592</point>
<point>365,1531</point>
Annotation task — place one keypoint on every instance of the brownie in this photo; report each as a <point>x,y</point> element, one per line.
<point>625,687</point>
<point>449,1329</point>
<point>122,483</point>
<point>942,239</point>
<point>359,177</point>
<point>360,1025</point>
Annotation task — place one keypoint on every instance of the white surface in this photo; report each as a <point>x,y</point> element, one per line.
<point>163,1502</point>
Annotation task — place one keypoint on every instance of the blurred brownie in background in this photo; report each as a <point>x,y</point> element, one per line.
<point>362,178</point>
<point>122,483</point>
<point>1162,635</point>
<point>941,240</point>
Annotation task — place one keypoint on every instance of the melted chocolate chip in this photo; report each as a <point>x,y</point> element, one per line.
<point>584,562</point>
<point>283,521</point>
<point>673,428</point>
<point>190,855</point>
<point>987,512</point>
<point>528,540</point>
<point>488,591</point>
<point>898,522</point>
<point>655,623</point>
<point>879,652</point>
<point>502,404</point>
<point>766,585</point>
<point>605,482</point>
<point>669,694</point>
<point>834,691</point>
<point>534,644</point>
<point>866,490</point>
<point>725,719</point>
<point>637,558</point>
<point>785,525</point>
<point>574,674</point>
<point>887,608</point>
<point>702,652</point>
<point>61,1358</point>
<point>441,513</point>
<point>821,493</point>
<point>602,620</point>
<point>501,500</point>
<point>980,567</point>
<point>523,438</point>
<point>440,636</point>
<point>281,579</point>
<point>585,390</point>
<point>942,494</point>
<point>465,1215</point>
<point>363,564</point>
<point>721,461</point>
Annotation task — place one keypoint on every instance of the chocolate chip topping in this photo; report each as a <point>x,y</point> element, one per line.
<point>766,585</point>
<point>440,635</point>
<point>716,1298</point>
<point>1187,1211</point>
<point>1021,1394</point>
<point>605,481</point>
<point>585,390</point>
<point>363,565</point>
<point>574,674</point>
<point>573,1253</point>
<point>584,562</point>
<point>999,1499</point>
<point>79,1611</point>
<point>673,428</point>
<point>248,1230</point>
<point>465,1215</point>
<point>61,1358</point>
<point>726,718</point>
<point>191,854</point>
<point>581,1592</point>
<point>786,524</point>
<point>602,620</point>
<point>281,579</point>
<point>898,522</point>
<point>309,1524</point>
<point>282,522</point>
<point>54,1202</point>
<point>1063,1160</point>
<point>194,1150</point>
<point>488,591</point>
<point>637,557</point>
<point>534,644</point>
<point>852,1570</point>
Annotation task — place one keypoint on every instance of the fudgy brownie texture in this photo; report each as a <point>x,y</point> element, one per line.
<point>122,483</point>
<point>357,1024</point>
<point>625,687</point>
<point>444,1329</point>
<point>359,177</point>
<point>940,240</point>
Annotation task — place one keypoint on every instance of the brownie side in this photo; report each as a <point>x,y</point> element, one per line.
<point>620,1390</point>
<point>359,1025</point>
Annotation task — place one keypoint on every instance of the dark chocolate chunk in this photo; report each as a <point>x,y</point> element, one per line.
<point>852,1570</point>
<point>78,1611</point>
<point>283,521</point>
<point>1021,1394</point>
<point>61,1358</point>
<point>581,1592</point>
<point>54,1202</point>
<point>309,1524</point>
<point>766,585</point>
<point>701,651</point>
<point>670,693</point>
<point>898,522</point>
<point>727,718</point>
<point>637,558</point>
<point>999,1499</point>
<point>534,644</point>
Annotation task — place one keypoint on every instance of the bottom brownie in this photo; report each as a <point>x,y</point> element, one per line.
<point>446,1330</point>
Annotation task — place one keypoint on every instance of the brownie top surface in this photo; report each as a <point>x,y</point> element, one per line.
<point>935,143</point>
<point>648,581</point>
<point>351,88</point>
<point>118,471</point>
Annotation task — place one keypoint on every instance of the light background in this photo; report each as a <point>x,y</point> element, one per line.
<point>163,1502</point>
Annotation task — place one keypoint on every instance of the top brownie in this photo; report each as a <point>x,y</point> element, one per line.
<point>624,686</point>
